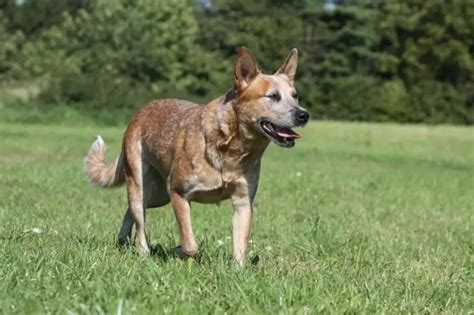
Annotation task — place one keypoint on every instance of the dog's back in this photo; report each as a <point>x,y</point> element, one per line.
<point>155,126</point>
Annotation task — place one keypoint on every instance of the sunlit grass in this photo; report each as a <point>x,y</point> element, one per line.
<point>356,218</point>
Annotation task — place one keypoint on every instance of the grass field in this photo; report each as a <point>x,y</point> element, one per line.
<point>358,218</point>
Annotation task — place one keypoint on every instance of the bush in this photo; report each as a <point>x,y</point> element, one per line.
<point>354,98</point>
<point>120,54</point>
<point>394,101</point>
<point>9,47</point>
<point>437,102</point>
<point>405,62</point>
<point>365,98</point>
<point>102,91</point>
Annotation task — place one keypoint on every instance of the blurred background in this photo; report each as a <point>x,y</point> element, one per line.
<point>382,60</point>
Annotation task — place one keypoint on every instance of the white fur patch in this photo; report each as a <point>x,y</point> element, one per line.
<point>99,144</point>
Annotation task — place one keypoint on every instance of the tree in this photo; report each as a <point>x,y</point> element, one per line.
<point>430,39</point>
<point>11,42</point>
<point>430,46</point>
<point>269,28</point>
<point>339,51</point>
<point>119,52</point>
<point>31,17</point>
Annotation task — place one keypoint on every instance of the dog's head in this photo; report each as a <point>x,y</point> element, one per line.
<point>269,103</point>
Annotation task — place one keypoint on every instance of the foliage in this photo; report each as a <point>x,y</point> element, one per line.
<point>430,45</point>
<point>437,102</point>
<point>430,40</point>
<point>269,28</point>
<point>339,62</point>
<point>406,61</point>
<point>115,53</point>
<point>10,41</point>
<point>32,17</point>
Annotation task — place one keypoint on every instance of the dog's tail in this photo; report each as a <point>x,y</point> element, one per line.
<point>98,171</point>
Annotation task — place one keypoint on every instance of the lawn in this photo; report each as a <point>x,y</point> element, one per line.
<point>358,218</point>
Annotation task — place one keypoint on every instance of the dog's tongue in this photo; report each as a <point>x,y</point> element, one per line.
<point>288,134</point>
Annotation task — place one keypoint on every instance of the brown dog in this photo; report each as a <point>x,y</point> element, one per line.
<point>178,151</point>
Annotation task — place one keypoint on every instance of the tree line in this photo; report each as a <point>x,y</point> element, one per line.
<point>383,60</point>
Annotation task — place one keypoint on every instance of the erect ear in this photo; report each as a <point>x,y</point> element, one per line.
<point>245,69</point>
<point>289,66</point>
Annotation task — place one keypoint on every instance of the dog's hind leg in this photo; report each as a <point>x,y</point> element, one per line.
<point>134,170</point>
<point>155,195</point>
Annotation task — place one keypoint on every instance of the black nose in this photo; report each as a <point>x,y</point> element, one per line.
<point>302,116</point>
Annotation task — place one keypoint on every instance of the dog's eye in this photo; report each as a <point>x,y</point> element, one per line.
<point>274,96</point>
<point>294,95</point>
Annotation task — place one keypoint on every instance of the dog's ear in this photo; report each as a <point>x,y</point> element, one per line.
<point>289,66</point>
<point>245,69</point>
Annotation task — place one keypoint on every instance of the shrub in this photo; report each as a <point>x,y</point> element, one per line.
<point>121,54</point>
<point>437,102</point>
<point>351,98</point>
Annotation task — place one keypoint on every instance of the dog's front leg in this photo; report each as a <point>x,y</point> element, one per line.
<point>182,212</point>
<point>241,222</point>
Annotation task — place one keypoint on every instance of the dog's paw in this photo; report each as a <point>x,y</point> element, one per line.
<point>185,253</point>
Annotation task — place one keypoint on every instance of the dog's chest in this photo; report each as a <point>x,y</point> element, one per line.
<point>208,188</point>
<point>207,168</point>
<point>207,184</point>
<point>212,196</point>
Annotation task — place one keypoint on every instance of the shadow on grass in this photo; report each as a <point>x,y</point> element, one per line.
<point>164,254</point>
<point>156,251</point>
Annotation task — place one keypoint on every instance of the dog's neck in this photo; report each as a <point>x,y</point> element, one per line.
<point>243,130</point>
<point>232,143</point>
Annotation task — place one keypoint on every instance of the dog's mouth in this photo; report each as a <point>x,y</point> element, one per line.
<point>282,136</point>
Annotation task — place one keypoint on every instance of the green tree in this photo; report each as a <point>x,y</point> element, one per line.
<point>269,28</point>
<point>122,53</point>
<point>340,56</point>
<point>31,17</point>
<point>409,61</point>
<point>430,46</point>
<point>9,48</point>
<point>430,40</point>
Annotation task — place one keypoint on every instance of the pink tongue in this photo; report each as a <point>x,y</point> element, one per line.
<point>292,135</point>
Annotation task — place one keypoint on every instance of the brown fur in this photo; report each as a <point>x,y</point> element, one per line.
<point>178,151</point>
<point>101,173</point>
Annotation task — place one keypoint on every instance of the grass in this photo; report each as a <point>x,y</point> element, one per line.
<point>19,111</point>
<point>358,218</point>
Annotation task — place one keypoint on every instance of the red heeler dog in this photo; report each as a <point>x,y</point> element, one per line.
<point>177,151</point>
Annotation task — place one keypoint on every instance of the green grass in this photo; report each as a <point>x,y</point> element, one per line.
<point>359,218</point>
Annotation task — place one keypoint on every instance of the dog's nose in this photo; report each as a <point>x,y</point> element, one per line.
<point>302,116</point>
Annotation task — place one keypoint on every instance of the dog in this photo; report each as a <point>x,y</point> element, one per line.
<point>180,152</point>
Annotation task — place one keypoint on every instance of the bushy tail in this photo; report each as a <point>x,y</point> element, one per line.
<point>98,171</point>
